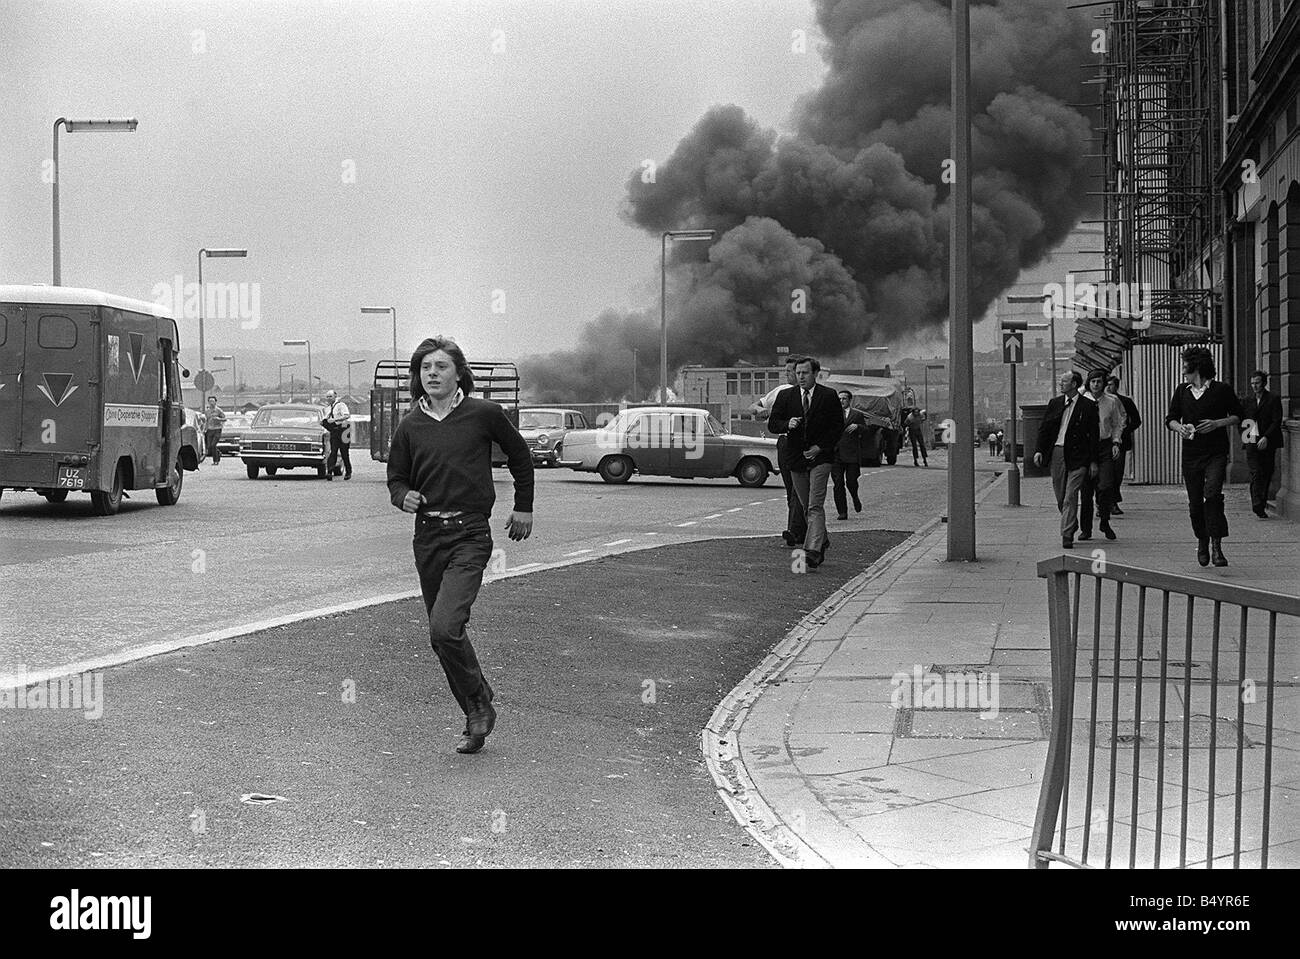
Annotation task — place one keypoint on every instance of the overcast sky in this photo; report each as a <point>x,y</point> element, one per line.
<point>372,153</point>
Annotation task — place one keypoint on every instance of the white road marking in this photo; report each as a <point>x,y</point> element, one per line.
<point>524,566</point>
<point>714,516</point>
<point>758,503</point>
<point>618,542</point>
<point>735,509</point>
<point>578,552</point>
<point>652,534</point>
<point>691,523</point>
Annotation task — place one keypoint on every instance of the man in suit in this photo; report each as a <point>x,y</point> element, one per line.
<point>1263,442</point>
<point>811,417</point>
<point>796,529</point>
<point>1131,422</point>
<point>848,457</point>
<point>1068,439</point>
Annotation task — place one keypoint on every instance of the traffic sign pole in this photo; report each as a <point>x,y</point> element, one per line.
<point>1013,474</point>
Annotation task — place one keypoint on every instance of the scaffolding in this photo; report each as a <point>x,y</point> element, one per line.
<point>1158,141</point>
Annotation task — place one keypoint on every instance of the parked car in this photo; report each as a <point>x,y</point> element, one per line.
<point>668,441</point>
<point>231,434</point>
<point>285,436</point>
<point>544,427</point>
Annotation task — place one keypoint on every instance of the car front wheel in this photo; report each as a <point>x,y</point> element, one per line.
<point>170,494</point>
<point>751,472</point>
<point>251,470</point>
<point>615,469</point>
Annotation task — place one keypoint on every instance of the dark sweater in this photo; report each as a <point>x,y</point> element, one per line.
<point>450,461</point>
<point>1216,403</point>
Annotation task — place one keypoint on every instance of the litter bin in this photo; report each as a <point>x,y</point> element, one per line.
<point>1033,419</point>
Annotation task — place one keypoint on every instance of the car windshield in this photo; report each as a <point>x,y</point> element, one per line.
<point>717,428</point>
<point>539,420</point>
<point>287,418</point>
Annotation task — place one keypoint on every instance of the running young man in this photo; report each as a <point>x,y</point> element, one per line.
<point>440,468</point>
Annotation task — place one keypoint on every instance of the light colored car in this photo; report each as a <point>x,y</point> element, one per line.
<point>544,427</point>
<point>232,432</point>
<point>285,436</point>
<point>668,441</point>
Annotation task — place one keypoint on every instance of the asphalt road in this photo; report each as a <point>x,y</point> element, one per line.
<point>233,552</point>
<point>605,674</point>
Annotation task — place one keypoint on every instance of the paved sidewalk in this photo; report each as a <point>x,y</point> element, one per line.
<point>827,771</point>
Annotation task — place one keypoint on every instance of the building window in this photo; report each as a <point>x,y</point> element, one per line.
<point>732,389</point>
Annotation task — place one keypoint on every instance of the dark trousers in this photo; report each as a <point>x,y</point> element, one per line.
<point>210,438</point>
<point>451,555</point>
<point>918,441</point>
<point>795,521</point>
<point>1121,465</point>
<point>337,447</point>
<point>1203,476</point>
<point>842,475</point>
<point>1100,488</point>
<point>1261,474</point>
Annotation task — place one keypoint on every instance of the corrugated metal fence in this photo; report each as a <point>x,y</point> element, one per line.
<point>1151,372</point>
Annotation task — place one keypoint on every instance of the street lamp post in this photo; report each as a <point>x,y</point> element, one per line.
<point>283,367</point>
<point>634,369</point>
<point>686,236</point>
<point>350,363</point>
<point>306,343</point>
<point>386,309</point>
<point>221,252</point>
<point>234,376</point>
<point>78,126</point>
<point>961,359</point>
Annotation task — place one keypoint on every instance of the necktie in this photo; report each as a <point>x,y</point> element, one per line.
<point>805,402</point>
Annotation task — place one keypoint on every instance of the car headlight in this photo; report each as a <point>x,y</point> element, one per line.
<point>543,440</point>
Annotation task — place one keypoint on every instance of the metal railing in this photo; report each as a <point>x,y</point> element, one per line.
<point>1073,773</point>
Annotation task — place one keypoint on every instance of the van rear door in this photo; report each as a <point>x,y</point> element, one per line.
<point>59,391</point>
<point>11,365</point>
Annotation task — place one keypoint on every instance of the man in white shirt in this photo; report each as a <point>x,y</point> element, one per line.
<point>338,420</point>
<point>1110,446</point>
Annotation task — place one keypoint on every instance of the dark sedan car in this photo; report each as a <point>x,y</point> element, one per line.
<point>285,436</point>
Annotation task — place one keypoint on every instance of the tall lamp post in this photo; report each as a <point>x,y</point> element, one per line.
<point>634,369</point>
<point>306,343</point>
<point>961,358</point>
<point>684,236</point>
<point>392,310</point>
<point>350,364</point>
<point>234,376</point>
<point>283,367</point>
<point>205,252</point>
<point>78,126</point>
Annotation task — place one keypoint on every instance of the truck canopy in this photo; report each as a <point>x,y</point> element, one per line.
<point>879,398</point>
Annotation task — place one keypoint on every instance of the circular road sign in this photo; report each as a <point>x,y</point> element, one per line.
<point>204,381</point>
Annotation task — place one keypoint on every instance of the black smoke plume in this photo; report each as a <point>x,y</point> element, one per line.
<point>852,209</point>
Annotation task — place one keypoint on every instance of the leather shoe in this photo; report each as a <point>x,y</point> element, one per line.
<point>842,516</point>
<point>1203,552</point>
<point>1261,513</point>
<point>1067,542</point>
<point>857,505</point>
<point>1116,511</point>
<point>790,541</point>
<point>1085,536</point>
<point>347,476</point>
<point>470,744</point>
<point>1105,528</point>
<point>1216,552</point>
<point>813,558</point>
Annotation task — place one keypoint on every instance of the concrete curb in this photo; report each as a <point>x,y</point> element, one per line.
<point>719,740</point>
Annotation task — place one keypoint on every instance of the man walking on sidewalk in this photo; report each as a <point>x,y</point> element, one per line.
<point>811,416</point>
<point>1069,434</point>
<point>1263,442</point>
<point>1200,411</point>
<point>440,468</point>
<point>848,457</point>
<point>796,528</point>
<point>916,421</point>
<point>1111,436</point>
<point>1132,420</point>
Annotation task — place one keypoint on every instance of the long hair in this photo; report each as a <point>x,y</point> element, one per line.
<point>464,377</point>
<point>1202,361</point>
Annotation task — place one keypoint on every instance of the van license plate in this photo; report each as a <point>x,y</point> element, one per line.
<point>72,477</point>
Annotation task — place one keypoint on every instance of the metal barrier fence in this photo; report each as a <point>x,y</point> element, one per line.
<point>1154,720</point>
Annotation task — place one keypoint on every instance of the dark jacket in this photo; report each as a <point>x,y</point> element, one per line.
<point>1081,438</point>
<point>849,449</point>
<point>1267,414</point>
<point>1131,421</point>
<point>821,428</point>
<point>1216,403</point>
